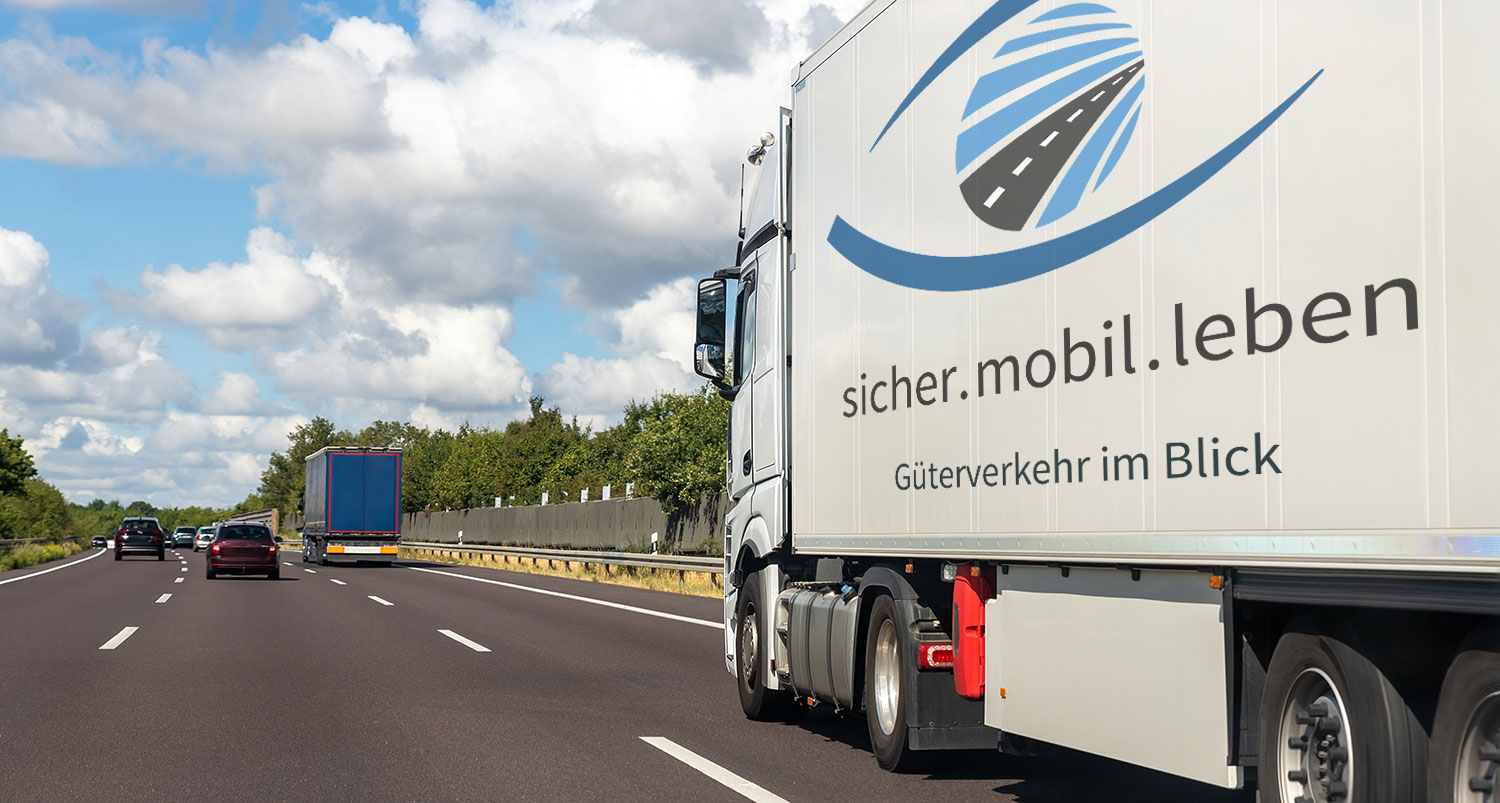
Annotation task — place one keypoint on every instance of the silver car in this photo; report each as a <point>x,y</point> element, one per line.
<point>201,541</point>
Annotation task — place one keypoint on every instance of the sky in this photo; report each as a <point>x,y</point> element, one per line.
<point>220,219</point>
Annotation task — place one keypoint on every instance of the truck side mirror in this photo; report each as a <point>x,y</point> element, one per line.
<point>708,351</point>
<point>299,503</point>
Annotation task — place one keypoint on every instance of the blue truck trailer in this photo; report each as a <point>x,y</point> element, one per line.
<point>352,506</point>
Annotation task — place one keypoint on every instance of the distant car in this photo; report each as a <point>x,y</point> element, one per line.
<point>99,542</point>
<point>140,534</point>
<point>243,547</point>
<point>203,538</point>
<point>183,536</point>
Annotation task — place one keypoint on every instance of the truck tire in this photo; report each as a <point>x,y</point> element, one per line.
<point>886,664</point>
<point>1463,763</point>
<point>752,637</point>
<point>1332,726</point>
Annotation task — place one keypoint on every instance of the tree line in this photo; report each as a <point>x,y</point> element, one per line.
<point>671,448</point>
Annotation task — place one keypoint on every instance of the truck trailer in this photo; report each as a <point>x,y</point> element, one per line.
<point>1119,377</point>
<point>352,506</point>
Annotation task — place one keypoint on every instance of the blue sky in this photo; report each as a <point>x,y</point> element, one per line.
<point>222,218</point>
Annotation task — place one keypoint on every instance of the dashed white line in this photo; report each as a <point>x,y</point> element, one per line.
<point>1096,97</point>
<point>1117,80</point>
<point>184,568</point>
<point>119,638</point>
<point>1048,140</point>
<point>310,571</point>
<point>473,645</point>
<point>381,601</point>
<point>287,563</point>
<point>178,580</point>
<point>1021,167</point>
<point>163,598</point>
<point>575,597</point>
<point>734,783</point>
<point>54,568</point>
<point>1074,115</point>
<point>994,196</point>
<point>339,582</point>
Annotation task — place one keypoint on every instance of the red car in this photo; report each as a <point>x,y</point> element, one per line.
<point>243,547</point>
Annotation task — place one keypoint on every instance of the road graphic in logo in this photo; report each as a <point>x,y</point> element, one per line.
<point>1046,125</point>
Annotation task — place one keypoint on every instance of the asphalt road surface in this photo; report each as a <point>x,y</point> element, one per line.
<point>413,683</point>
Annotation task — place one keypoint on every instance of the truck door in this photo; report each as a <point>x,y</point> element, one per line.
<point>741,438</point>
<point>768,433</point>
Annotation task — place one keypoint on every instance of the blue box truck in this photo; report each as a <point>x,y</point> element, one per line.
<point>352,506</point>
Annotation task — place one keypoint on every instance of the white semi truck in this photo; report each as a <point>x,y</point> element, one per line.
<point>1123,376</point>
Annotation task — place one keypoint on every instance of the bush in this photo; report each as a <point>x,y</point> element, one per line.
<point>32,554</point>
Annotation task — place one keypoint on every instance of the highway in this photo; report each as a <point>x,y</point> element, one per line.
<point>418,682</point>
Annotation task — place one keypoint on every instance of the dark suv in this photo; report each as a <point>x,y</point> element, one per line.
<point>140,534</point>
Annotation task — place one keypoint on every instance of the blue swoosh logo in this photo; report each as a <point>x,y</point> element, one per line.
<point>958,273</point>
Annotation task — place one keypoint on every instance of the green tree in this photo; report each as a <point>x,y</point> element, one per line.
<point>286,473</point>
<point>679,454</point>
<point>15,464</point>
<point>38,511</point>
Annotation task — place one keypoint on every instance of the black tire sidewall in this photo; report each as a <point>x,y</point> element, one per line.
<point>890,750</point>
<point>1382,771</point>
<point>755,698</point>
<point>1473,676</point>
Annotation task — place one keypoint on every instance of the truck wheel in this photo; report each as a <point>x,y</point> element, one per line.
<point>886,666</point>
<point>1333,728</point>
<point>751,640</point>
<point>322,556</point>
<point>1465,759</point>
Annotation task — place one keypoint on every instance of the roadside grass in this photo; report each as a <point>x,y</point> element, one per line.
<point>31,554</point>
<point>700,584</point>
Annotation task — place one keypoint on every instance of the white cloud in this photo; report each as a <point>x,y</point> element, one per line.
<point>37,325</point>
<point>249,303</point>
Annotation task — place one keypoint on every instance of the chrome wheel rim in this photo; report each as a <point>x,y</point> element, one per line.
<point>1478,770</point>
<point>1316,744</point>
<point>887,677</point>
<point>749,647</point>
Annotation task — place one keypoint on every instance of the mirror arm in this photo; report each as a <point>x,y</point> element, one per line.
<point>733,274</point>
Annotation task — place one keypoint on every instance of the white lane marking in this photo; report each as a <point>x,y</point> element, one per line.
<point>54,568</point>
<point>310,571</point>
<point>994,196</point>
<point>287,563</point>
<point>164,597</point>
<point>184,568</point>
<point>119,638</point>
<point>381,601</point>
<point>473,645</point>
<point>1117,80</point>
<point>735,783</point>
<point>178,580</point>
<point>340,582</point>
<point>591,600</point>
<point>1096,97</point>
<point>1020,168</point>
<point>1075,114</point>
<point>1048,140</point>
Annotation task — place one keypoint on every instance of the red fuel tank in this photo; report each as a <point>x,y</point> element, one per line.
<point>971,589</point>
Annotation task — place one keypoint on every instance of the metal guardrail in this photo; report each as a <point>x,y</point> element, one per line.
<point>681,563</point>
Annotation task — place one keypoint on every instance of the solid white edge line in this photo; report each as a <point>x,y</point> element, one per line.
<point>381,601</point>
<point>734,783</point>
<point>164,597</point>
<point>591,600</point>
<point>54,568</point>
<point>473,645</point>
<point>119,638</point>
<point>340,582</point>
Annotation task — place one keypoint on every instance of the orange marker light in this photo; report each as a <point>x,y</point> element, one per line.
<point>1216,581</point>
<point>908,568</point>
<point>1002,692</point>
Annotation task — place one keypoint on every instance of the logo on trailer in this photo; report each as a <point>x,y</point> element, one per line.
<point>1045,125</point>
